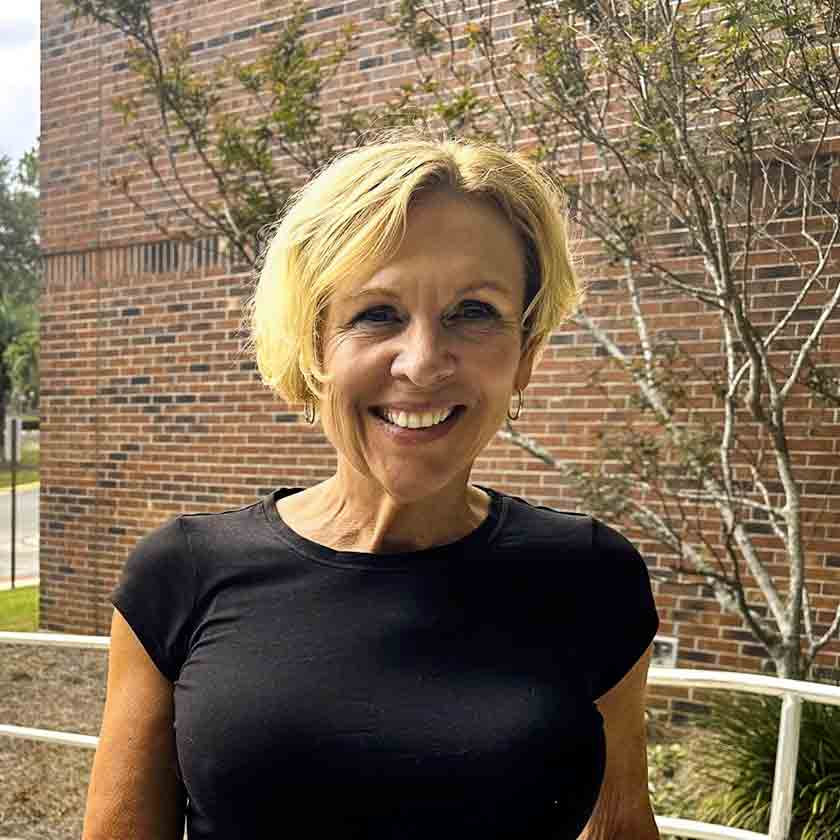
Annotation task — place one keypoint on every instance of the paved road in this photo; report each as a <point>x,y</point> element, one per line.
<point>26,535</point>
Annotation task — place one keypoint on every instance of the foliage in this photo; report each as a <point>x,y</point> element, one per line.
<point>243,152</point>
<point>21,359</point>
<point>19,242</point>
<point>738,755</point>
<point>710,133</point>
<point>19,279</point>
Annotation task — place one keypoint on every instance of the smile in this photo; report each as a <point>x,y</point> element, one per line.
<point>420,435</point>
<point>414,420</point>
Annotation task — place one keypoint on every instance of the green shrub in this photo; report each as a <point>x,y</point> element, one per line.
<point>738,757</point>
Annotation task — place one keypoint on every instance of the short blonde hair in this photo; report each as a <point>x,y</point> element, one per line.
<point>349,220</point>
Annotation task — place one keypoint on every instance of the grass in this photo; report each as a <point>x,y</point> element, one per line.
<point>19,609</point>
<point>26,471</point>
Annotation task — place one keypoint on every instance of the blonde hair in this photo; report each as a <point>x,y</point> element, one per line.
<point>349,220</point>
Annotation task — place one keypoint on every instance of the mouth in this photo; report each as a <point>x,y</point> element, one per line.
<point>422,434</point>
<point>379,411</point>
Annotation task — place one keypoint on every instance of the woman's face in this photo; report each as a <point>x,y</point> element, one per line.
<point>441,328</point>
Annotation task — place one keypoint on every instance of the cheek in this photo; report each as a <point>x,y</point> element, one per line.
<point>350,366</point>
<point>498,364</point>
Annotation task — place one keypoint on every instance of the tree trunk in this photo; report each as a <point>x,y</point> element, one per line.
<point>789,663</point>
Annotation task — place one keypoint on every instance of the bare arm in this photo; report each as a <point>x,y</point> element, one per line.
<point>623,810</point>
<point>134,787</point>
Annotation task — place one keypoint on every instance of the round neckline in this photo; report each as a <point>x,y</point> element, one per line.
<point>386,561</point>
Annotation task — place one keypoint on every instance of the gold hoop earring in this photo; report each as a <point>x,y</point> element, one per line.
<point>309,411</point>
<point>518,407</point>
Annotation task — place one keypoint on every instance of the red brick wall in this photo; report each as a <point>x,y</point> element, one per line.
<point>149,408</point>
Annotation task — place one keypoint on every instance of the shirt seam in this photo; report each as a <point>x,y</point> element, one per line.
<point>220,512</point>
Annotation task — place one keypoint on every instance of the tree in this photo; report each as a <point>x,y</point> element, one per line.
<point>20,260</point>
<point>243,154</point>
<point>698,132</point>
<point>21,359</point>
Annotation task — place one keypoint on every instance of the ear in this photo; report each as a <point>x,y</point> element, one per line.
<point>526,366</point>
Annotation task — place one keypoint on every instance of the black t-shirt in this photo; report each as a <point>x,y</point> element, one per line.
<point>442,693</point>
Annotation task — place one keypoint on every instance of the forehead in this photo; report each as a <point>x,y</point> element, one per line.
<point>383,288</point>
<point>457,244</point>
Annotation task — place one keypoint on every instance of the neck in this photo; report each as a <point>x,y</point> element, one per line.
<point>354,516</point>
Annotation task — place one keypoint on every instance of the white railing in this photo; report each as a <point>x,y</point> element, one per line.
<point>792,692</point>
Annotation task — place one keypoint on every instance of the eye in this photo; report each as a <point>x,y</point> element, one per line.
<point>368,313</point>
<point>473,308</point>
<point>483,309</point>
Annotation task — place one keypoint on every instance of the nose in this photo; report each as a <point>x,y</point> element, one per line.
<point>423,354</point>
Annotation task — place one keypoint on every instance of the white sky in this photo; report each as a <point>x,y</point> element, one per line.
<point>20,76</point>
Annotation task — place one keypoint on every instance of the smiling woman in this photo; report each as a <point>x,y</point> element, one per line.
<point>393,652</point>
<point>414,275</point>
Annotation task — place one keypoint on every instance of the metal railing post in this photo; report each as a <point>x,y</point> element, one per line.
<point>784,780</point>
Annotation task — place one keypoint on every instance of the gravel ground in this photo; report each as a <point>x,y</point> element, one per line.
<point>43,786</point>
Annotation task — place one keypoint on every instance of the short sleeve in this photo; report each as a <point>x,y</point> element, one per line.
<point>155,594</point>
<point>622,614</point>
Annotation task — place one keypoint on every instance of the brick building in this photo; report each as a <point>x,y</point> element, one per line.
<point>149,408</point>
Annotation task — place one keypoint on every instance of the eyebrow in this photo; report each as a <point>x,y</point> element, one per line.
<point>384,291</point>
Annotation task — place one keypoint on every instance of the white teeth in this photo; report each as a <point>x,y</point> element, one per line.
<point>416,421</point>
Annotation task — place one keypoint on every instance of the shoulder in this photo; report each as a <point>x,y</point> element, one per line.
<point>535,527</point>
<point>543,527</point>
<point>173,550</point>
<point>205,530</point>
<point>161,545</point>
<point>600,570</point>
<point>616,557</point>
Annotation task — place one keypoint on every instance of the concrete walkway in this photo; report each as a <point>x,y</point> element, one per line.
<point>5,582</point>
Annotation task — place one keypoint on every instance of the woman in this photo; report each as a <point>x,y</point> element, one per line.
<point>393,652</point>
